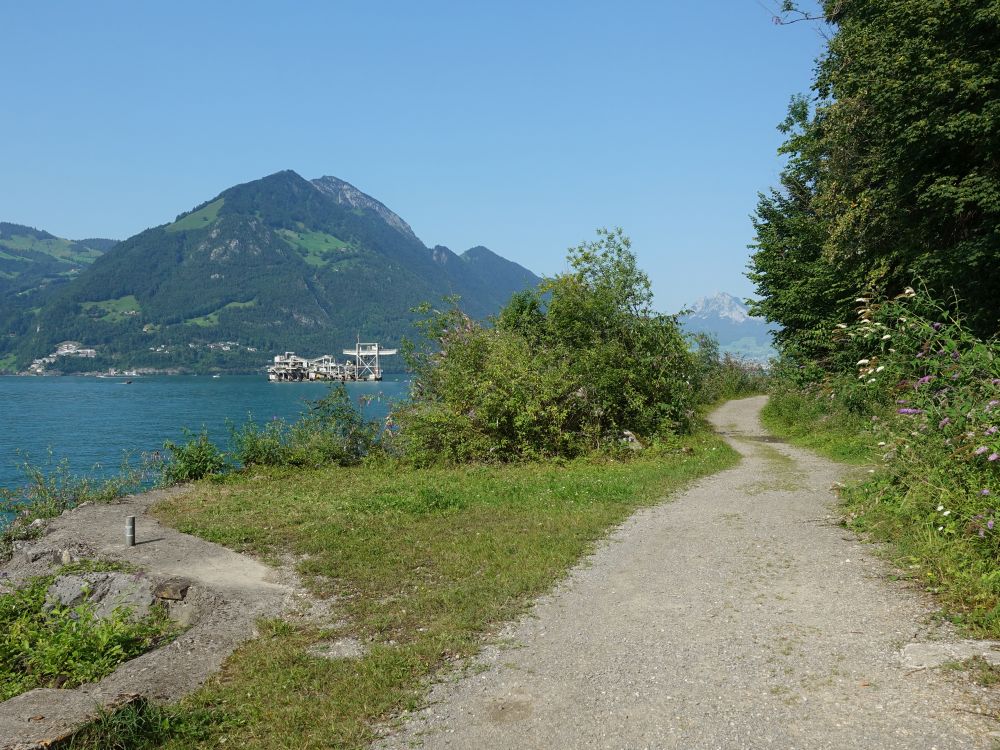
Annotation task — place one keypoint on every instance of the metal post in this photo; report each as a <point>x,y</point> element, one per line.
<point>130,531</point>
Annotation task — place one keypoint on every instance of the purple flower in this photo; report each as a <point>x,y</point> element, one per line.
<point>909,411</point>
<point>982,534</point>
<point>984,492</point>
<point>925,380</point>
<point>980,450</point>
<point>936,326</point>
<point>995,381</point>
<point>989,524</point>
<point>993,457</point>
<point>943,422</point>
<point>955,356</point>
<point>920,355</point>
<point>902,401</point>
<point>991,430</point>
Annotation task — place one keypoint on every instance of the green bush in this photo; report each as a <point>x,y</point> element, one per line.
<point>196,458</point>
<point>722,376</point>
<point>566,369</point>
<point>333,431</point>
<point>65,646</point>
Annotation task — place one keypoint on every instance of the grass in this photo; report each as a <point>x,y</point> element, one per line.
<point>115,310</point>
<point>426,563</point>
<point>821,425</point>
<point>198,219</point>
<point>8,363</point>
<point>212,319</point>
<point>315,247</point>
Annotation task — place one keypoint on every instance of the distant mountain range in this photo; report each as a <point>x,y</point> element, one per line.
<point>729,321</point>
<point>280,263</point>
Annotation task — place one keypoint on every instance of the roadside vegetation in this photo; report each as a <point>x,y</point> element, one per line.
<point>878,256</point>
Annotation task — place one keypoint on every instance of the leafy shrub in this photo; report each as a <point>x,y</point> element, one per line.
<point>929,393</point>
<point>723,376</point>
<point>333,431</point>
<point>66,646</point>
<point>196,458</point>
<point>565,370</point>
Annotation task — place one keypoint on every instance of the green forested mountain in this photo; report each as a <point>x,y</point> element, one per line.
<point>34,265</point>
<point>280,263</point>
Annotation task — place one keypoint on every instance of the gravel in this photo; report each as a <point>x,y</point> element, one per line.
<point>739,615</point>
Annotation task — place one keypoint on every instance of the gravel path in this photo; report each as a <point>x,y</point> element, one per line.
<point>740,615</point>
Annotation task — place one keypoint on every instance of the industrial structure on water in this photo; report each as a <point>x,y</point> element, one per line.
<point>367,365</point>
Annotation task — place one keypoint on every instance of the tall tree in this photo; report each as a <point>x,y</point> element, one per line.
<point>894,177</point>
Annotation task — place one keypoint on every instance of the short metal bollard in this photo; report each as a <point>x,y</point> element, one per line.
<point>130,531</point>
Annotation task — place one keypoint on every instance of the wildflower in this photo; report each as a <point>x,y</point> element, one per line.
<point>989,524</point>
<point>940,528</point>
<point>940,508</point>
<point>984,492</point>
<point>980,450</point>
<point>863,362</point>
<point>936,326</point>
<point>982,534</point>
<point>886,337</point>
<point>995,381</point>
<point>861,299</point>
<point>841,325</point>
<point>991,430</point>
<point>947,512</point>
<point>880,368</point>
<point>909,411</point>
<point>993,457</point>
<point>956,356</point>
<point>920,355</point>
<point>924,380</point>
<point>943,422</point>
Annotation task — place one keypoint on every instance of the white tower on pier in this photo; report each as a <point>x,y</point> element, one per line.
<point>367,360</point>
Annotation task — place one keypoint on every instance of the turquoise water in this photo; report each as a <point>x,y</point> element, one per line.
<point>91,421</point>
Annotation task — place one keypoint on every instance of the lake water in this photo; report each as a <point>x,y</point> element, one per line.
<point>91,421</point>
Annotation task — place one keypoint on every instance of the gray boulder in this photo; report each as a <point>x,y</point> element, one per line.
<point>106,592</point>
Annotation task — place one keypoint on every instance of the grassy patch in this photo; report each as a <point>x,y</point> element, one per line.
<point>114,310</point>
<point>198,219</point>
<point>315,247</point>
<point>821,424</point>
<point>8,363</point>
<point>427,562</point>
<point>212,319</point>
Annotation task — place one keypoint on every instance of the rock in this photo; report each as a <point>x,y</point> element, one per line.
<point>106,592</point>
<point>631,440</point>
<point>67,558</point>
<point>34,554</point>
<point>174,589</point>
<point>930,655</point>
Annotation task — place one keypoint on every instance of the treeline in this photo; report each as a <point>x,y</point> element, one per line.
<point>893,173</point>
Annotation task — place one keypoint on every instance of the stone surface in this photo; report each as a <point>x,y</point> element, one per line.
<point>930,655</point>
<point>174,589</point>
<point>106,592</point>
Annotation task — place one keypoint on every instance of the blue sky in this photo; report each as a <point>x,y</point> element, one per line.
<point>521,126</point>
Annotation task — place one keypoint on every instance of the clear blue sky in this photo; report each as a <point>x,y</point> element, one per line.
<point>521,126</point>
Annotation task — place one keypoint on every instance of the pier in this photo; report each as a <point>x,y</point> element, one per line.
<point>366,365</point>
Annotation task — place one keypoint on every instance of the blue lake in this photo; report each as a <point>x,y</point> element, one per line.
<point>91,422</point>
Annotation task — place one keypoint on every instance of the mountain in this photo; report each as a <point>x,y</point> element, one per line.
<point>280,263</point>
<point>31,259</point>
<point>729,321</point>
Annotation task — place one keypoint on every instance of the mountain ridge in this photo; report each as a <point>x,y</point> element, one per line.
<point>274,264</point>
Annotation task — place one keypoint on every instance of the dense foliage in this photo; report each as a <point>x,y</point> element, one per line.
<point>566,369</point>
<point>893,173</point>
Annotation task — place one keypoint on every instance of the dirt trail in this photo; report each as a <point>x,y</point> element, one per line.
<point>229,592</point>
<point>740,615</point>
